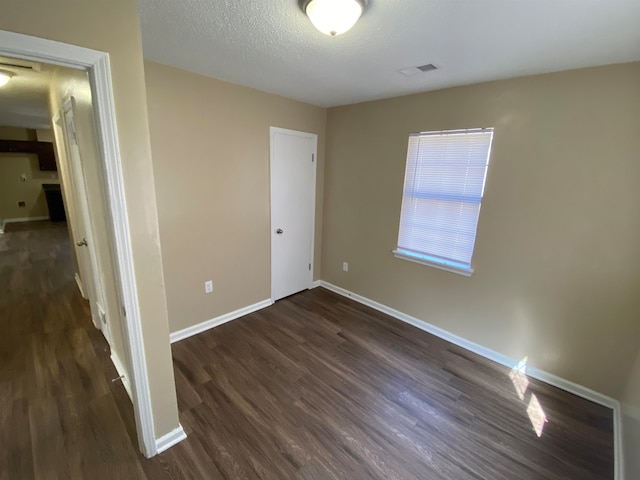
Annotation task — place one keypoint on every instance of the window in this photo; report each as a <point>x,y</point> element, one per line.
<point>443,188</point>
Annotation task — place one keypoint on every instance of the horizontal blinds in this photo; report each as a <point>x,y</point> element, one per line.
<point>443,188</point>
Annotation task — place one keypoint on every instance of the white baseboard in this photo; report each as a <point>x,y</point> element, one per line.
<point>2,223</point>
<point>25,219</point>
<point>571,387</point>
<point>546,377</point>
<point>315,284</point>
<point>533,372</point>
<point>80,287</point>
<point>170,439</point>
<point>122,372</point>
<point>214,322</point>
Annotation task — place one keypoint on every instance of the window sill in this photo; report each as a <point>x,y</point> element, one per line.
<point>467,272</point>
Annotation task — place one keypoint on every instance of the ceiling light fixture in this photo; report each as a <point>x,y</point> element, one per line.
<point>333,17</point>
<point>4,78</point>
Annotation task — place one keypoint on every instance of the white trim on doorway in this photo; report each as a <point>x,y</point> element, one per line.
<point>170,439</point>
<point>97,64</point>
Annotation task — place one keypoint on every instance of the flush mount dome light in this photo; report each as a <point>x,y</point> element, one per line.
<point>333,17</point>
<point>4,78</point>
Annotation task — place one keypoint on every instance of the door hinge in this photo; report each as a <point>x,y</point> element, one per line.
<point>309,266</point>
<point>124,311</point>
<point>313,157</point>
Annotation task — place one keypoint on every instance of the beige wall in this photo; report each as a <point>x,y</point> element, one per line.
<point>15,133</point>
<point>44,135</point>
<point>631,422</point>
<point>12,189</point>
<point>210,142</point>
<point>556,259</point>
<point>65,83</point>
<point>113,27</point>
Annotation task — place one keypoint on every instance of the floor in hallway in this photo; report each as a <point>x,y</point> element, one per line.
<point>61,416</point>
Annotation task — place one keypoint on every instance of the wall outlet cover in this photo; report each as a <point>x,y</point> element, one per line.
<point>208,286</point>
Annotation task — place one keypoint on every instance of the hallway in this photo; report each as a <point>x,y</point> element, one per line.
<point>60,414</point>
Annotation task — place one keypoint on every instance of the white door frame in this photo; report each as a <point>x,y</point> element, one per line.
<point>272,132</point>
<point>97,65</point>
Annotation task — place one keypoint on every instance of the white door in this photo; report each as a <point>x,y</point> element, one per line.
<point>82,232</point>
<point>293,194</point>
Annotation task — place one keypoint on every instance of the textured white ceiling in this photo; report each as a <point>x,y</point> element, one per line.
<point>272,46</point>
<point>24,100</point>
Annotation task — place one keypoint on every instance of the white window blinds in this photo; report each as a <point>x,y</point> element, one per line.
<point>443,188</point>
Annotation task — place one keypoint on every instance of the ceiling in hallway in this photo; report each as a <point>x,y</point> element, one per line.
<point>24,101</point>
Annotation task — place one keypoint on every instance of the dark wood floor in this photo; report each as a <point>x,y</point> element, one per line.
<point>314,387</point>
<point>59,411</point>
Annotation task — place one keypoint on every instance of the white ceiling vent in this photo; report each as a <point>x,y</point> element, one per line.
<point>420,69</point>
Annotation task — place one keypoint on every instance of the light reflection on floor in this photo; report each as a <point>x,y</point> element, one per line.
<point>518,376</point>
<point>536,415</point>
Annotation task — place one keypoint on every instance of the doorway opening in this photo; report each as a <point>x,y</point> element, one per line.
<point>96,66</point>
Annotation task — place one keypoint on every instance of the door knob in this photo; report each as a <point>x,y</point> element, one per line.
<point>82,243</point>
<point>279,231</point>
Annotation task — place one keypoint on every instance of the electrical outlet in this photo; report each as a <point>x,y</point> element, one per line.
<point>345,267</point>
<point>22,204</point>
<point>208,286</point>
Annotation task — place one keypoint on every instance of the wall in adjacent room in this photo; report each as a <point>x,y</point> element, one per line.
<point>556,258</point>
<point>210,142</point>
<point>12,188</point>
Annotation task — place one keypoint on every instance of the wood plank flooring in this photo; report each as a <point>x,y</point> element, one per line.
<point>314,387</point>
<point>59,415</point>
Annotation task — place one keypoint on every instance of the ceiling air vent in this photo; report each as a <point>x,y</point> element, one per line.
<point>422,68</point>
<point>427,68</point>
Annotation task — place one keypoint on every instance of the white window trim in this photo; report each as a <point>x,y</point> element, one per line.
<point>422,260</point>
